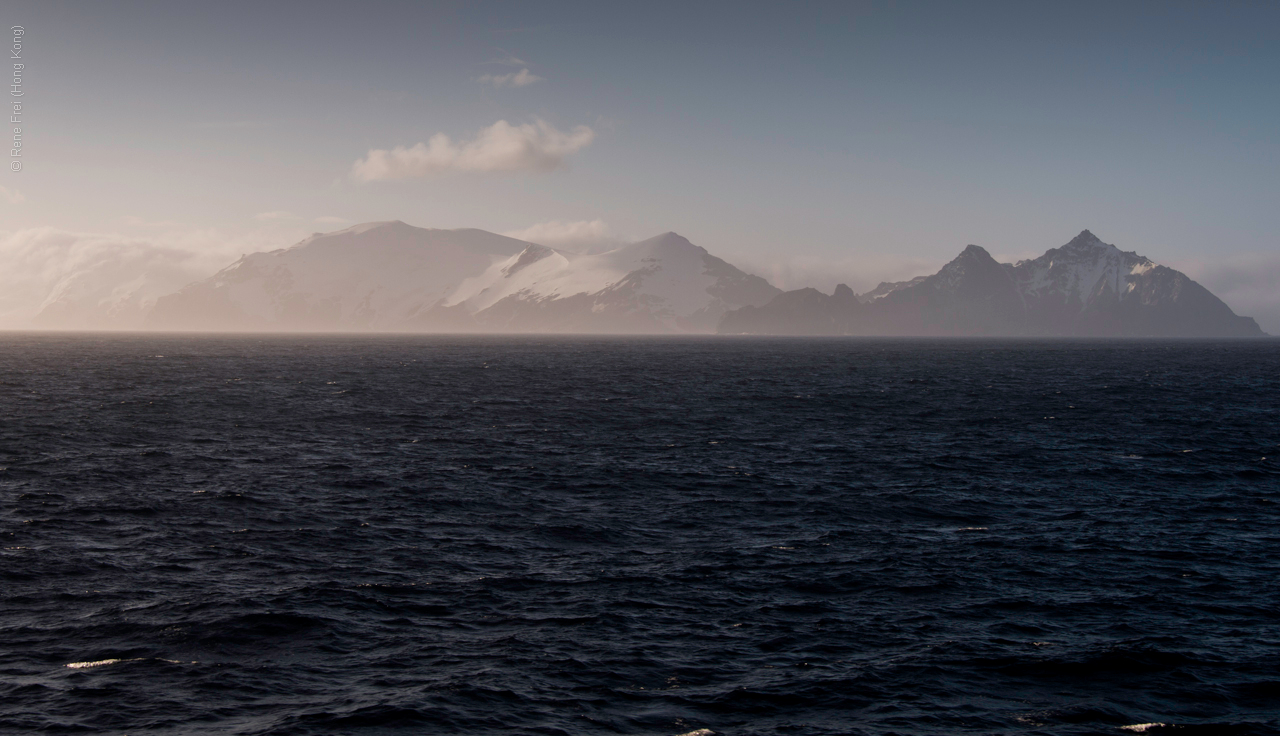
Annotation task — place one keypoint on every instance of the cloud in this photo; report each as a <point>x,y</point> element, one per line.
<point>56,278</point>
<point>13,196</point>
<point>275,215</point>
<point>331,220</point>
<point>52,278</point>
<point>501,147</point>
<point>1248,282</point>
<point>521,78</point>
<point>581,236</point>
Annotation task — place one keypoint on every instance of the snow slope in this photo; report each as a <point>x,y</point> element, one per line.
<point>663,284</point>
<point>374,276</point>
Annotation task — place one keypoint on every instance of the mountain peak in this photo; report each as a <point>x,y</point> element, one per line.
<point>671,237</point>
<point>365,227</point>
<point>972,252</point>
<point>1085,239</point>
<point>667,242</point>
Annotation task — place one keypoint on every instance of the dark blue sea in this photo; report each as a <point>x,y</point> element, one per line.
<point>464,535</point>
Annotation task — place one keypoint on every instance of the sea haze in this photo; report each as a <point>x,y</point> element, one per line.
<point>525,535</point>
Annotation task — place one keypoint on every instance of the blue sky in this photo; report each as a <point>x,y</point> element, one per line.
<point>810,142</point>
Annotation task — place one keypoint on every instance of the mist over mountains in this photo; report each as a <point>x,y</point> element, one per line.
<point>393,277</point>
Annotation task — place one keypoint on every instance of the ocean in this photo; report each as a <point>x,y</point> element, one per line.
<point>586,535</point>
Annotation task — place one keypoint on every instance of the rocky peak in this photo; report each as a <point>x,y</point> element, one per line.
<point>1086,242</point>
<point>974,258</point>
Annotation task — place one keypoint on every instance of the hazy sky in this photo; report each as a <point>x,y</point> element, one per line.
<point>808,142</point>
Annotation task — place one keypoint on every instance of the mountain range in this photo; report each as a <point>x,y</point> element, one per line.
<point>392,277</point>
<point>1086,288</point>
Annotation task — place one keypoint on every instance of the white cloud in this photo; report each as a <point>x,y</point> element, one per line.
<point>501,147</point>
<point>521,78</point>
<point>12,195</point>
<point>275,215</point>
<point>581,236</point>
<point>55,278</point>
<point>51,278</point>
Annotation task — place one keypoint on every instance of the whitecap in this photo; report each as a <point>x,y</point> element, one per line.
<point>99,663</point>
<point>1142,727</point>
<point>104,662</point>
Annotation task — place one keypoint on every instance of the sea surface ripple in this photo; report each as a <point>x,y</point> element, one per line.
<point>464,535</point>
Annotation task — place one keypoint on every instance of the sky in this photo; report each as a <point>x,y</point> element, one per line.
<point>807,142</point>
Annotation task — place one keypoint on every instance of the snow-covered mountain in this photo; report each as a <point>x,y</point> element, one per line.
<point>1080,272</point>
<point>664,284</point>
<point>1084,288</point>
<point>1090,287</point>
<point>391,276</point>
<point>375,276</point>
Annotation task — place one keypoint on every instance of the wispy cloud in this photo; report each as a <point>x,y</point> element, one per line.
<point>508,60</point>
<point>275,216</point>
<point>582,236</point>
<point>501,147</point>
<point>12,196</point>
<point>521,78</point>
